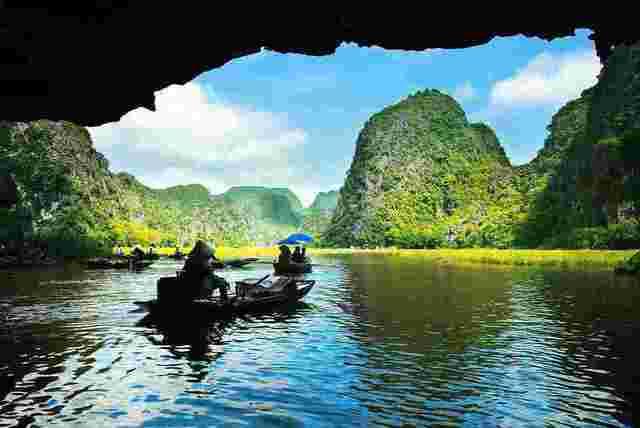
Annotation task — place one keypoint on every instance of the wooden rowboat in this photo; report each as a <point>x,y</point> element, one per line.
<point>291,268</point>
<point>249,297</point>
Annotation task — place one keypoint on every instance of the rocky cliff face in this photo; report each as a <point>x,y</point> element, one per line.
<point>578,180</point>
<point>615,107</point>
<point>64,186</point>
<point>420,169</point>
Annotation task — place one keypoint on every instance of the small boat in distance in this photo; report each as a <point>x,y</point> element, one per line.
<point>296,263</point>
<point>291,268</point>
<point>117,263</point>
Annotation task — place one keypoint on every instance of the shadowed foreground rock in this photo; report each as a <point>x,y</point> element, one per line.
<point>8,192</point>
<point>90,64</point>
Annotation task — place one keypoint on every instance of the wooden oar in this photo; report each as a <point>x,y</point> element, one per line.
<point>265,277</point>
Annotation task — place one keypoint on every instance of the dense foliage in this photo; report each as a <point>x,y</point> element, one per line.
<point>423,177</point>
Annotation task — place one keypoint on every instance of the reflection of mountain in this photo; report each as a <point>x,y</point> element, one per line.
<point>405,297</point>
<point>415,323</point>
<point>505,345</point>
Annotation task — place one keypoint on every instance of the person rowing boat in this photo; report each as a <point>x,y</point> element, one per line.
<point>198,271</point>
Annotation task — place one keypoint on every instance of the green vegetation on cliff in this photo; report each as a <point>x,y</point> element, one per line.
<point>423,177</point>
<point>318,216</point>
<point>583,185</point>
<point>277,206</point>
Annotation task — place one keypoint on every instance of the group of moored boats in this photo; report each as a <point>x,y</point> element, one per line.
<point>118,263</point>
<point>123,262</point>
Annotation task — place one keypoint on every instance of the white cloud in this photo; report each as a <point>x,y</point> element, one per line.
<point>191,139</point>
<point>464,92</point>
<point>547,79</point>
<point>535,92</point>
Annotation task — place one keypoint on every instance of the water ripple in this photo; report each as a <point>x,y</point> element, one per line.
<point>380,341</point>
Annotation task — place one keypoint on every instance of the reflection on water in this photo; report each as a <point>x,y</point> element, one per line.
<point>381,340</point>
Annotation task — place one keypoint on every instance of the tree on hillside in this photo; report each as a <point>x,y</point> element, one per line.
<point>40,180</point>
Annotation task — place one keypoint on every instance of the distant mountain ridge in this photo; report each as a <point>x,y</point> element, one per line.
<point>325,201</point>
<point>73,197</point>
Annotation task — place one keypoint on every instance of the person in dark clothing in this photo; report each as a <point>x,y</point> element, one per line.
<point>198,269</point>
<point>285,255</point>
<point>304,254</point>
<point>137,254</point>
<point>297,255</point>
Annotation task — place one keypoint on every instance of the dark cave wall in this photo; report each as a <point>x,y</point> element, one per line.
<point>91,64</point>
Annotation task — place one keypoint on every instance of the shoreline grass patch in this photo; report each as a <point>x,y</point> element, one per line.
<point>559,258</point>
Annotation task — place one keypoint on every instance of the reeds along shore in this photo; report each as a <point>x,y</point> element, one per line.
<point>560,258</point>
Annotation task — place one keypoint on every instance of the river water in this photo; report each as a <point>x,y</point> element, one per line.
<point>380,341</point>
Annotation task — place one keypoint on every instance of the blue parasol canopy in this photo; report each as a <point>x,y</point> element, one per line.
<point>296,239</point>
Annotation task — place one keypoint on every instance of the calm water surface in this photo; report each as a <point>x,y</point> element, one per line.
<point>380,341</point>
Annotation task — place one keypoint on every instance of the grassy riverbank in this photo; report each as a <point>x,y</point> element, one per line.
<point>560,258</point>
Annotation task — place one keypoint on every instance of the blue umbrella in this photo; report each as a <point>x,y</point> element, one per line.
<point>296,239</point>
<point>302,237</point>
<point>289,242</point>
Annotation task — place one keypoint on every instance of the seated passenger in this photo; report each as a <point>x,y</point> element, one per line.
<point>297,255</point>
<point>285,255</point>
<point>137,254</point>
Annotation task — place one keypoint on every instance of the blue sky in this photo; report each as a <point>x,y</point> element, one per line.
<point>292,120</point>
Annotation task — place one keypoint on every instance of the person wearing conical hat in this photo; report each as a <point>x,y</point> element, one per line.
<point>199,271</point>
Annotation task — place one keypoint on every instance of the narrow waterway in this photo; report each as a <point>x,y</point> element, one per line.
<point>380,341</point>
